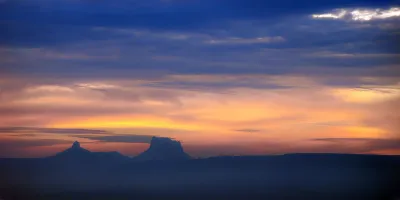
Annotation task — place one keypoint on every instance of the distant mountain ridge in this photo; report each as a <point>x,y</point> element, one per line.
<point>74,150</point>
<point>165,169</point>
<point>160,149</point>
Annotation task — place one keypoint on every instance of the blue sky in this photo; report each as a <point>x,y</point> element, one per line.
<point>195,36</point>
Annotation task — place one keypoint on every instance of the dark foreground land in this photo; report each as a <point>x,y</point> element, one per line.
<point>295,176</point>
<point>205,195</point>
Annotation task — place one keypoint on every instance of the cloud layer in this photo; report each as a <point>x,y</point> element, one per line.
<point>236,77</point>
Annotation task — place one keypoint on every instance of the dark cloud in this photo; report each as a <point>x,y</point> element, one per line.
<point>341,50</point>
<point>23,135</point>
<point>24,130</point>
<point>121,138</point>
<point>109,41</point>
<point>202,86</point>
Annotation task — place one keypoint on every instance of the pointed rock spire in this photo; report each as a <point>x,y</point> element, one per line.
<point>76,145</point>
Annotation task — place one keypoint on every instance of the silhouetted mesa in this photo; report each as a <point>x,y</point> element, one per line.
<point>163,149</point>
<point>76,155</point>
<point>160,149</point>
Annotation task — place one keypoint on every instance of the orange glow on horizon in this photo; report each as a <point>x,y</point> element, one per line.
<point>239,118</point>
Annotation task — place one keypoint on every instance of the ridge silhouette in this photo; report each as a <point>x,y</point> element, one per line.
<point>74,150</point>
<point>165,171</point>
<point>160,148</point>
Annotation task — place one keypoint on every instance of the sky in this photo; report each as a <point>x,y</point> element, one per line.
<point>237,77</point>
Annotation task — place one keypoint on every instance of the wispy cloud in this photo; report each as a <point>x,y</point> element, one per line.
<point>25,130</point>
<point>248,130</point>
<point>121,138</point>
<point>259,40</point>
<point>360,14</point>
<point>23,143</point>
<point>218,71</point>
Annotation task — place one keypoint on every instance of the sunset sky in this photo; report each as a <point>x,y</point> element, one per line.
<point>227,77</point>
